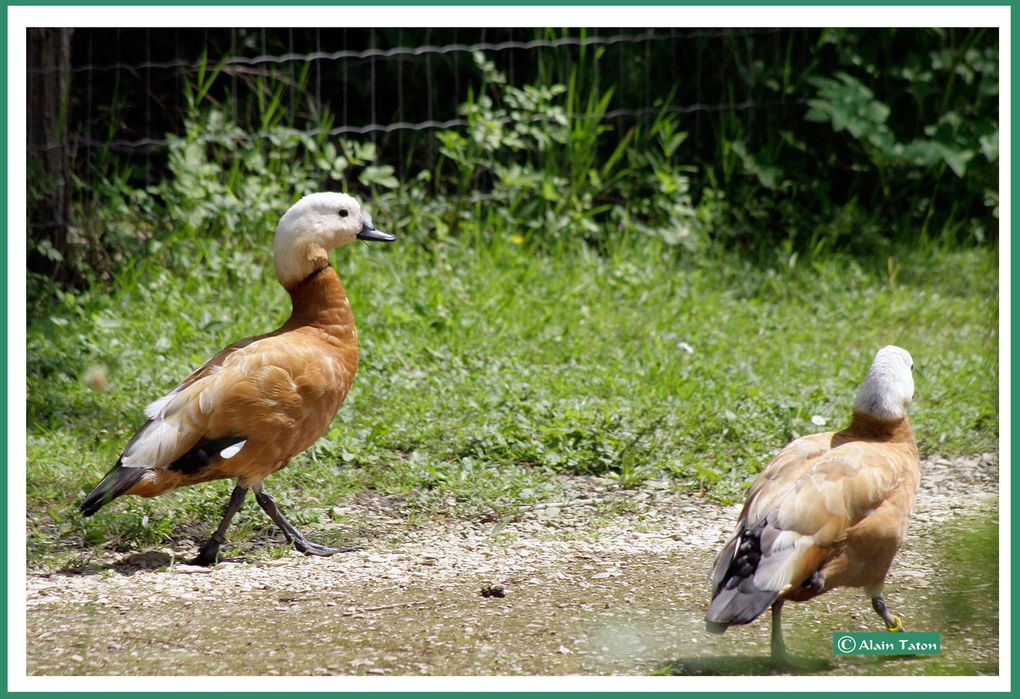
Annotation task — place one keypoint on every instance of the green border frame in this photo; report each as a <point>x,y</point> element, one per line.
<point>4,208</point>
<point>530,3</point>
<point>3,352</point>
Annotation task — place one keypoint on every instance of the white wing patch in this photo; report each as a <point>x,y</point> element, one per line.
<point>154,446</point>
<point>160,440</point>
<point>232,450</point>
<point>776,569</point>
<point>155,409</point>
<point>785,540</point>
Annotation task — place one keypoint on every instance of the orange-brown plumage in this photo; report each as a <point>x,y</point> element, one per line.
<point>829,511</point>
<point>280,390</point>
<point>262,400</point>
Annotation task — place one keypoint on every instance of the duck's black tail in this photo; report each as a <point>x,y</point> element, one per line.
<point>117,482</point>
<point>735,598</point>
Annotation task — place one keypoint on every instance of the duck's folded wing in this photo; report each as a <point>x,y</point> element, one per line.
<point>735,597</point>
<point>265,388</point>
<point>793,520</point>
<point>256,388</point>
<point>838,490</point>
<point>782,472</point>
<point>180,434</point>
<point>775,480</point>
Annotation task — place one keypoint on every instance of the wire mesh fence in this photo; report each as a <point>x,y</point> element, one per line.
<point>127,87</point>
<point>109,108</point>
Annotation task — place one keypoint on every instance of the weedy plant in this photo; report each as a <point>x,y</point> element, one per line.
<point>545,157</point>
<point>878,139</point>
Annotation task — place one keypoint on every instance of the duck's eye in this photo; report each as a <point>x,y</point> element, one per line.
<point>343,213</point>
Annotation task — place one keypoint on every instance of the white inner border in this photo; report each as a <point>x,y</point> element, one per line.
<point>19,18</point>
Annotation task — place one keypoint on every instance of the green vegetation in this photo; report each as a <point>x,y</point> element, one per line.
<point>562,300</point>
<point>767,142</point>
<point>488,370</point>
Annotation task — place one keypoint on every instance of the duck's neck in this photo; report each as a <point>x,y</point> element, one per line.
<point>319,300</point>
<point>869,428</point>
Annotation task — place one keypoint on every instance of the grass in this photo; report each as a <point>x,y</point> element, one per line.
<point>488,369</point>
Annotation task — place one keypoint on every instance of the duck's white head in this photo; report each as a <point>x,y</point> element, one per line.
<point>315,225</point>
<point>889,385</point>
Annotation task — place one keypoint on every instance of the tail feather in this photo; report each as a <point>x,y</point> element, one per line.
<point>740,604</point>
<point>118,481</point>
<point>735,598</point>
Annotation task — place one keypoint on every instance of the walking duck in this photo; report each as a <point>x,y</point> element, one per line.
<point>829,511</point>
<point>259,402</point>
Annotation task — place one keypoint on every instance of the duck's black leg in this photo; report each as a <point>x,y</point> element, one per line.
<point>892,622</point>
<point>209,551</point>
<point>265,500</point>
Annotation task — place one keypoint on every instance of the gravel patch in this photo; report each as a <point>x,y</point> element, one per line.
<point>605,581</point>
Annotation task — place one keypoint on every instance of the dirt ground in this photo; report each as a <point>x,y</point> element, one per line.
<point>606,582</point>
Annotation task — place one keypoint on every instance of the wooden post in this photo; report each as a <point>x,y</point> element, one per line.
<point>49,152</point>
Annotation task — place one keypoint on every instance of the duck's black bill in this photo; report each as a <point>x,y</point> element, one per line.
<point>369,233</point>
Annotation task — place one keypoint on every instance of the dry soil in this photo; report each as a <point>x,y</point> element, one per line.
<point>608,581</point>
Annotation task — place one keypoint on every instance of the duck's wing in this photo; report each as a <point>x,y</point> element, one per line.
<point>215,363</point>
<point>787,466</point>
<point>256,387</point>
<point>782,472</point>
<point>796,512</point>
<point>737,559</point>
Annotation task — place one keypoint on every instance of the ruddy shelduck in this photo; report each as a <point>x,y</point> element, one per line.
<point>829,511</point>
<point>259,402</point>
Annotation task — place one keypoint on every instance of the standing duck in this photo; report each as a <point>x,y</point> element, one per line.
<point>259,402</point>
<point>830,511</point>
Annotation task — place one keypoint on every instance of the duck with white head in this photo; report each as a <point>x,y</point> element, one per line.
<point>829,511</point>
<point>260,401</point>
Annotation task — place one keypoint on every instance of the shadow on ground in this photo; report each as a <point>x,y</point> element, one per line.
<point>724,665</point>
